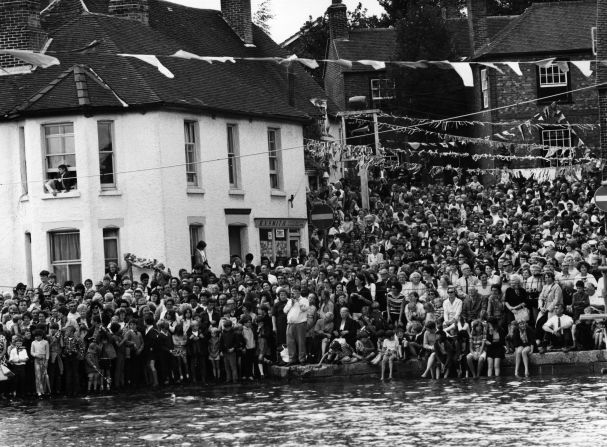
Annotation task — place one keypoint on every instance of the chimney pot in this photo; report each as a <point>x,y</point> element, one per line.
<point>338,21</point>
<point>130,9</point>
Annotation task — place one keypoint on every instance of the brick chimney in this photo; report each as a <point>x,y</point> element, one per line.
<point>20,29</point>
<point>59,13</point>
<point>130,9</point>
<point>238,15</point>
<point>601,48</point>
<point>338,21</point>
<point>477,24</point>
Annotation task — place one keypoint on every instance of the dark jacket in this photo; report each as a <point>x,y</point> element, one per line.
<point>229,340</point>
<point>351,326</point>
<point>199,347</point>
<point>150,344</point>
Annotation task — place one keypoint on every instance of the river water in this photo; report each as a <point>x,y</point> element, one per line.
<point>552,411</point>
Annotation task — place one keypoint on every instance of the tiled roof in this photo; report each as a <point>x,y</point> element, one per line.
<point>460,34</point>
<point>545,28</point>
<point>246,87</point>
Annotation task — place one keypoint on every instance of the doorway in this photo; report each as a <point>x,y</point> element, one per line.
<point>236,239</point>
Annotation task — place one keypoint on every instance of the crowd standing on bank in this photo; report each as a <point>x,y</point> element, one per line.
<point>454,273</point>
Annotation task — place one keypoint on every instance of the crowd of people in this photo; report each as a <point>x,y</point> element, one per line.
<point>454,273</point>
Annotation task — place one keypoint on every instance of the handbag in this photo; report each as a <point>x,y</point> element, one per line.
<point>521,315</point>
<point>5,373</point>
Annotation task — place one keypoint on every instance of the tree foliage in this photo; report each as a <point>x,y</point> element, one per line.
<point>432,92</point>
<point>264,15</point>
<point>314,35</point>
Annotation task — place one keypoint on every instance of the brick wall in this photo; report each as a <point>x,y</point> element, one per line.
<point>59,13</point>
<point>130,9</point>
<point>20,28</point>
<point>509,88</point>
<point>334,81</point>
<point>338,20</point>
<point>359,84</point>
<point>238,14</point>
<point>477,24</point>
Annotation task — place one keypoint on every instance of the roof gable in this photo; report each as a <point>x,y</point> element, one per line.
<point>545,28</point>
<point>94,40</point>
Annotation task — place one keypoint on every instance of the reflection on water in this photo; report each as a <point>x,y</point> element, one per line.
<point>554,411</point>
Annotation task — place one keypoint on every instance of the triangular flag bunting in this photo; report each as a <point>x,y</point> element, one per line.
<point>584,67</point>
<point>515,67</point>
<point>152,60</point>
<point>465,72</point>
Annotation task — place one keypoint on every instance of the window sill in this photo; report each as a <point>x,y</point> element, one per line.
<point>61,195</point>
<point>277,193</point>
<point>236,192</point>
<point>110,192</point>
<point>195,191</point>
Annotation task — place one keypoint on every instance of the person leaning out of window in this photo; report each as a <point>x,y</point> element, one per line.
<point>64,183</point>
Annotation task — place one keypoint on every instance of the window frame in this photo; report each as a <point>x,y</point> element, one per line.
<point>23,161</point>
<point>110,238</point>
<point>233,147</point>
<point>113,184</point>
<point>195,152</point>
<point>550,91</point>
<point>553,70</point>
<point>379,88</point>
<point>546,139</point>
<point>275,155</point>
<point>199,228</point>
<point>594,38</point>
<point>52,173</point>
<point>484,88</point>
<point>64,262</point>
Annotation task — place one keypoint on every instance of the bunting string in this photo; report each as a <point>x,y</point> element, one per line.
<point>462,68</point>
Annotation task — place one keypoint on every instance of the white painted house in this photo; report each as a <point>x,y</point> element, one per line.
<point>214,154</point>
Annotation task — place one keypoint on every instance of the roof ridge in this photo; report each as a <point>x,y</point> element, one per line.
<point>503,33</point>
<point>41,93</point>
<point>366,30</point>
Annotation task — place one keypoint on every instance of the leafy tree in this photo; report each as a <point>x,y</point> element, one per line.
<point>264,15</point>
<point>314,35</point>
<point>430,92</point>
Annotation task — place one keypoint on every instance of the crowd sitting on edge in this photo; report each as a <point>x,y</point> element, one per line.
<point>456,274</point>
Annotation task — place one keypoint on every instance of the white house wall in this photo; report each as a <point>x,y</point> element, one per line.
<point>151,207</point>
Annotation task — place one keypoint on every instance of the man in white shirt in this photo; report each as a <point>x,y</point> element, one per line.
<point>452,307</point>
<point>558,331</point>
<point>467,281</point>
<point>297,326</point>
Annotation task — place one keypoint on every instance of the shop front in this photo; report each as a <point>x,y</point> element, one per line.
<point>279,239</point>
